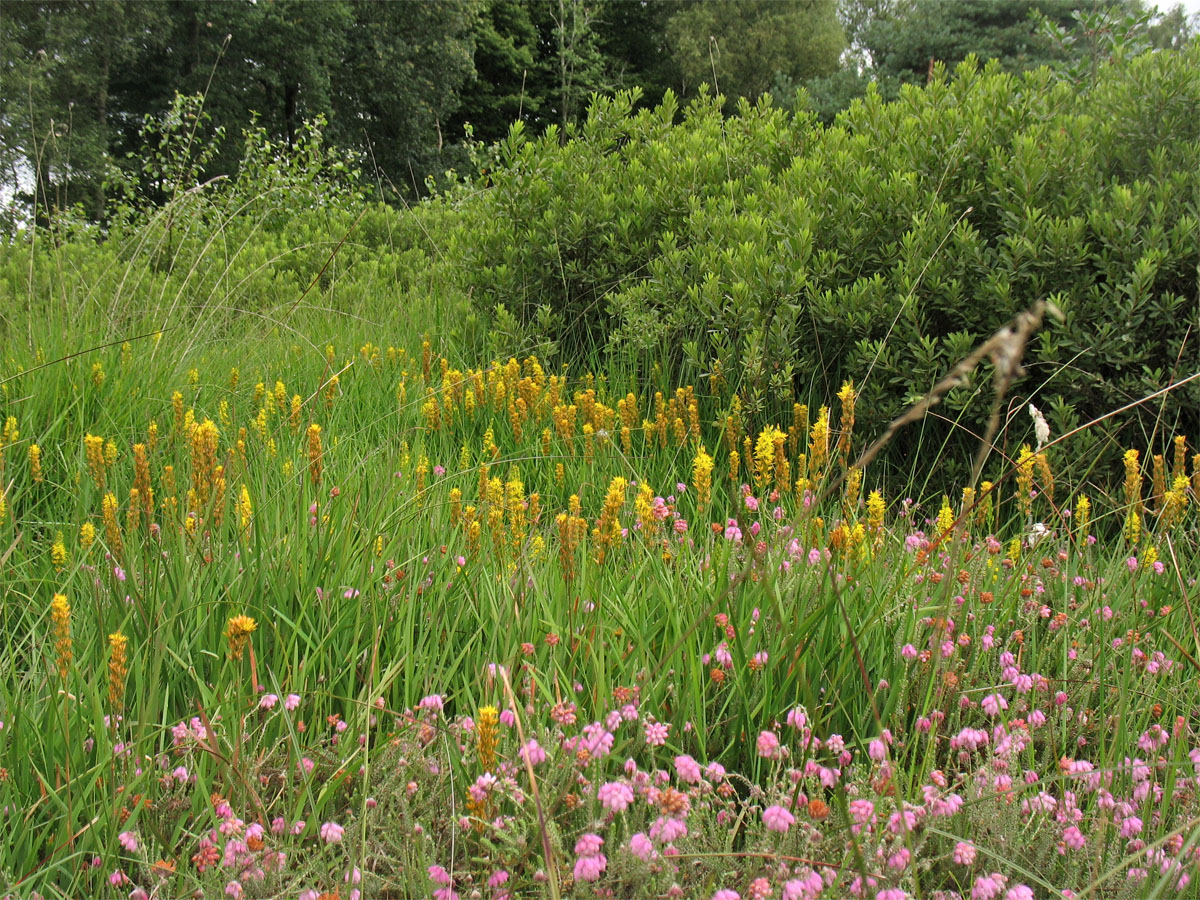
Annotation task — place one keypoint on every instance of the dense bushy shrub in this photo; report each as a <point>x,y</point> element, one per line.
<point>882,248</point>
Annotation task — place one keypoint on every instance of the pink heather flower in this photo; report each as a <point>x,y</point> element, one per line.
<point>588,845</point>
<point>117,878</point>
<point>908,651</point>
<point>233,889</point>
<point>1074,838</point>
<point>1019,892</point>
<point>438,875</point>
<point>128,840</point>
<point>1131,826</point>
<point>305,765</point>
<point>445,893</point>
<point>640,846</point>
<point>716,772</point>
<point>994,704</point>
<point>588,868</point>
<point>726,894</point>
<point>891,894</point>
<point>656,733</point>
<point>331,832</point>
<point>615,796</point>
<point>688,769</point>
<point>433,702</point>
<point>499,878</point>
<point>768,745</point>
<point>508,718</point>
<point>532,753</point>
<point>862,811</point>
<point>806,888</point>
<point>797,718</point>
<point>667,830</point>
<point>776,818</point>
<point>1132,563</point>
<point>987,886</point>
<point>877,750</point>
<point>268,701</point>
<point>291,702</point>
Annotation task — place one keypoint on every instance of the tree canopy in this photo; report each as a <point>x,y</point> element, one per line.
<point>407,86</point>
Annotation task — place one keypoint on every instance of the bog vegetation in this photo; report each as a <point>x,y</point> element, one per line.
<point>527,542</point>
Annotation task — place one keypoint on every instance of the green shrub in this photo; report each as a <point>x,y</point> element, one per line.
<point>880,249</point>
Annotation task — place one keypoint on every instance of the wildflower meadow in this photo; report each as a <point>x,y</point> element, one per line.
<point>306,594</point>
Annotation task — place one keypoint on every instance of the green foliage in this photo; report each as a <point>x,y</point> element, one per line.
<point>744,45</point>
<point>888,245</point>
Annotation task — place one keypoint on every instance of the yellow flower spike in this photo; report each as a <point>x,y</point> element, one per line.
<point>422,472</point>
<point>117,670</point>
<point>177,409</point>
<point>486,736</point>
<point>1082,518</point>
<point>234,377</point>
<point>1133,527</point>
<point>111,454</point>
<point>945,519</point>
<point>112,528</point>
<point>98,374</point>
<point>847,397</point>
<point>133,514</point>
<point>60,617</point>
<point>87,536</point>
<point>1158,481</point>
<point>983,512</point>
<point>702,468</point>
<point>152,435</point>
<point>297,405</point>
<point>876,509</point>
<point>608,527</point>
<point>238,631</point>
<point>764,455</point>
<point>851,492</point>
<point>315,454</point>
<point>818,446</point>
<point>58,553</point>
<point>245,509</point>
<point>93,446</point>
<point>1024,493</point>
<point>35,463</point>
<point>1133,481</point>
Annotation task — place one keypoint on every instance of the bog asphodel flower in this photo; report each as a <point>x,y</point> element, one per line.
<point>1025,463</point>
<point>847,396</point>
<point>245,508</point>
<point>58,553</point>
<point>238,631</point>
<point>315,462</point>
<point>486,735</point>
<point>60,617</point>
<point>702,467</point>
<point>35,463</point>
<point>117,670</point>
<point>875,511</point>
<point>1083,517</point>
